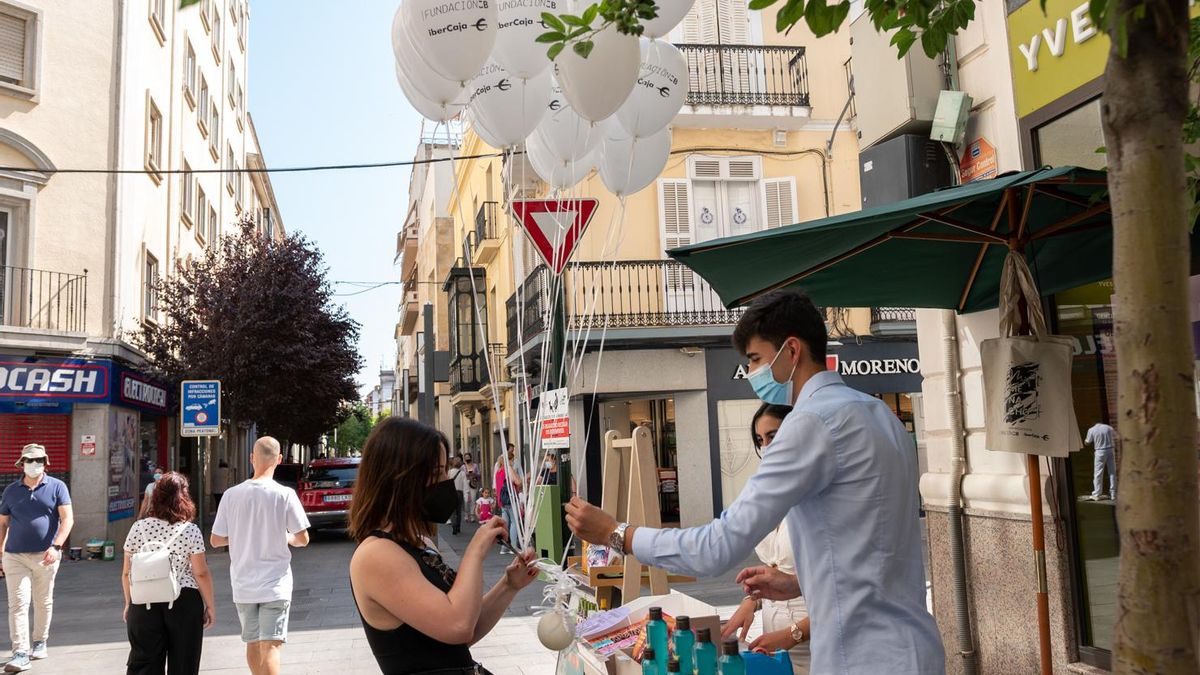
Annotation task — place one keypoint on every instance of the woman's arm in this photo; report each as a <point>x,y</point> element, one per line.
<point>125,586</point>
<point>519,574</point>
<point>204,580</point>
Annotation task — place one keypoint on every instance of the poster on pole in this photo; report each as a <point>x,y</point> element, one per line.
<point>200,408</point>
<point>553,411</point>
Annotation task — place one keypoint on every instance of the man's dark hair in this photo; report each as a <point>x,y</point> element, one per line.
<point>779,315</point>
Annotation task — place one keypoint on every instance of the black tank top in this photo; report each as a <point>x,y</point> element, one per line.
<point>405,650</point>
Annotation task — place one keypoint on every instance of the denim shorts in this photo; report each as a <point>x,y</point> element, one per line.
<point>264,621</point>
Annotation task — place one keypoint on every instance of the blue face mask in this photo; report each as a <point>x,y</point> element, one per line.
<point>765,386</point>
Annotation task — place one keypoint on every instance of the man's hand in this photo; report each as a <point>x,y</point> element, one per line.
<point>768,583</point>
<point>588,522</point>
<point>50,557</point>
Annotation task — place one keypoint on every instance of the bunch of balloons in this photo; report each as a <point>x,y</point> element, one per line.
<point>610,110</point>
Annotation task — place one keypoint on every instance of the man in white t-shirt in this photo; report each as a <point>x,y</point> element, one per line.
<point>258,520</point>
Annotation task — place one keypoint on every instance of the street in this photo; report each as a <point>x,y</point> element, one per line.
<point>325,636</point>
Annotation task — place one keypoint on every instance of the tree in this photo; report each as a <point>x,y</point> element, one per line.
<point>1146,117</point>
<point>353,431</point>
<point>256,314</point>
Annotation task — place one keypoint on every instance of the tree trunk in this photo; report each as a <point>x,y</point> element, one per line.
<point>1144,105</point>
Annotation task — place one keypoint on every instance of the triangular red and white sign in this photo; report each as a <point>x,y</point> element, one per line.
<point>555,226</point>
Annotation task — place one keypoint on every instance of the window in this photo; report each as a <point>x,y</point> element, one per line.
<point>212,225</point>
<point>189,75</point>
<point>154,139</point>
<point>206,10</point>
<point>241,27</point>
<point>201,214</point>
<point>150,310</point>
<point>726,196</point>
<point>231,85</point>
<point>241,106</point>
<point>186,192</point>
<point>202,108</point>
<point>1072,138</point>
<point>214,136</point>
<point>238,190</point>
<point>779,196</point>
<point>230,167</point>
<point>19,38</point>
<point>158,19</point>
<point>216,34</point>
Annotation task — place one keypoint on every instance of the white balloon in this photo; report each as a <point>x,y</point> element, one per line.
<point>670,13</point>
<point>629,164</point>
<point>430,85</point>
<point>554,633</point>
<point>660,90</point>
<point>598,85</point>
<point>437,111</point>
<point>556,173</point>
<point>517,49</point>
<point>567,135</point>
<point>453,37</point>
<point>507,108</point>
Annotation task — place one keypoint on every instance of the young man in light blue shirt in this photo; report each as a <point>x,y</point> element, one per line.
<point>843,472</point>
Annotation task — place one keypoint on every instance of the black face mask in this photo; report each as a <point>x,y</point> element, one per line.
<point>440,502</point>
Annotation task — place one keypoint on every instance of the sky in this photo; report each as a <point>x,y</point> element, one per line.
<point>322,90</point>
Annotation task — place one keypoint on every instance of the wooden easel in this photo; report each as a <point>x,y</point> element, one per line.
<point>632,459</point>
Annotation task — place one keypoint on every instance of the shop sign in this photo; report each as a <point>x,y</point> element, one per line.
<point>54,378</point>
<point>554,413</point>
<point>139,392</point>
<point>884,367</point>
<point>87,445</point>
<point>978,161</point>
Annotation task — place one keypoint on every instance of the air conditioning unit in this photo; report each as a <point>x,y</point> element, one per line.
<point>891,96</point>
<point>901,168</point>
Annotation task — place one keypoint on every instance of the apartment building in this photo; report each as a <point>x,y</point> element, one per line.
<point>761,142</point>
<point>144,88</point>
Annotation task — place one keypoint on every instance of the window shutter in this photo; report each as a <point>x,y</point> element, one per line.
<point>700,24</point>
<point>676,217</point>
<point>780,196</point>
<point>734,20</point>
<point>12,49</point>
<point>743,169</point>
<point>52,431</point>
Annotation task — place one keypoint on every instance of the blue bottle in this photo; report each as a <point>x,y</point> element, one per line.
<point>656,639</point>
<point>705,657</point>
<point>685,644</point>
<point>650,662</point>
<point>731,660</point>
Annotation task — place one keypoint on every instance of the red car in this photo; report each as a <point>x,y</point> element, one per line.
<point>325,490</point>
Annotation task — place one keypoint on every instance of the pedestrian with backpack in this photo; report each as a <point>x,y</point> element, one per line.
<point>168,586</point>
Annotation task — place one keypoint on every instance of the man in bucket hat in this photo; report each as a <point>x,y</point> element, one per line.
<point>35,519</point>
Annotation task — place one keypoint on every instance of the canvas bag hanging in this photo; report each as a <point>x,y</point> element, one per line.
<point>152,578</point>
<point>1028,406</point>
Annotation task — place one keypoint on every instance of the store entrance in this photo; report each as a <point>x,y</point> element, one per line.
<point>623,415</point>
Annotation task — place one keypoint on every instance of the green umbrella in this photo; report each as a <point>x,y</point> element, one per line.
<point>944,249</point>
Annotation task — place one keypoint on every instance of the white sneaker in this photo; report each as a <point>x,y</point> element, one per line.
<point>39,651</point>
<point>19,663</point>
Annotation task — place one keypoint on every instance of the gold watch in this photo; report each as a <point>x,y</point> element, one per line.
<point>797,633</point>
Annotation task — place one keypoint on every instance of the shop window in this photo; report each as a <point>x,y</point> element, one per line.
<point>1072,139</point>
<point>658,415</point>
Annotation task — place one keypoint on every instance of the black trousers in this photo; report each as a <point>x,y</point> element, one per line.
<point>165,640</point>
<point>456,519</point>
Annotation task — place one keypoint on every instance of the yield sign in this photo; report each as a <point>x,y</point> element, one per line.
<point>555,226</point>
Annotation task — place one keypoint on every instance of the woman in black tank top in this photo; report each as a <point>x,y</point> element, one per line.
<point>419,615</point>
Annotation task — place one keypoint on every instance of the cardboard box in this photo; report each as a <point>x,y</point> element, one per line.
<point>674,604</point>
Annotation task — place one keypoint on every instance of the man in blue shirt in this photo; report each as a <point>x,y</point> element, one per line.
<point>35,520</point>
<point>842,471</point>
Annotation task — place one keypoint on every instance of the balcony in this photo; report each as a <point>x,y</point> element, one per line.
<point>768,83</point>
<point>498,381</point>
<point>407,240</point>
<point>626,294</point>
<point>483,243</point>
<point>410,312</point>
<point>887,321</point>
<point>43,301</point>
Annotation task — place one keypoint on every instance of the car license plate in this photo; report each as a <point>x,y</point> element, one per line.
<point>336,498</point>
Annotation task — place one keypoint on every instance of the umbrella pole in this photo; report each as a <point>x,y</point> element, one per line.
<point>1039,557</point>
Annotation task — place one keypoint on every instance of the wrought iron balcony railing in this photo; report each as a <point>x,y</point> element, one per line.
<point>43,300</point>
<point>892,314</point>
<point>626,294</point>
<point>750,75</point>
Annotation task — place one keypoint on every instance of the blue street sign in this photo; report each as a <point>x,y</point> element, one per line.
<point>200,408</point>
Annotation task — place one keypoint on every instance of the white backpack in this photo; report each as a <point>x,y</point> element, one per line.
<point>152,578</point>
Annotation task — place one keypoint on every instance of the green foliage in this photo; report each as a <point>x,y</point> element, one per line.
<point>353,431</point>
<point>185,3</point>
<point>578,31</point>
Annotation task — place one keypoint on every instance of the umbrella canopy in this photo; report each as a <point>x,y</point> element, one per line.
<point>943,250</point>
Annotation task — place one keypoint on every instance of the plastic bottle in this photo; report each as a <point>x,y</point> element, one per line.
<point>705,658</point>
<point>685,644</point>
<point>730,662</point>
<point>673,666</point>
<point>650,662</point>
<point>656,639</point>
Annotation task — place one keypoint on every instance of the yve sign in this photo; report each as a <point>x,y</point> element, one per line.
<point>1077,25</point>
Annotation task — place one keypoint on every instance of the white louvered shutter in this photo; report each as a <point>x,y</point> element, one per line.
<point>780,195</point>
<point>12,49</point>
<point>676,217</point>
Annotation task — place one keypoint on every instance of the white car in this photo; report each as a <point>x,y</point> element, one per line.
<point>194,406</point>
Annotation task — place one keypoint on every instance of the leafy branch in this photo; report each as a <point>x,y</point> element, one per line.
<point>577,30</point>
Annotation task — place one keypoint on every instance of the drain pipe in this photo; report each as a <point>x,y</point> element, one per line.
<point>962,614</point>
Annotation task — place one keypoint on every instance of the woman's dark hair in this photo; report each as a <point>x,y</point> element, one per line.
<point>779,412</point>
<point>170,500</point>
<point>400,460</point>
<point>779,315</point>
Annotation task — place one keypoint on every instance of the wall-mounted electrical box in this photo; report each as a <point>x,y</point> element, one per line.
<point>950,118</point>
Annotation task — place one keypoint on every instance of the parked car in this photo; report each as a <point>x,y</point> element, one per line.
<point>290,474</point>
<point>326,489</point>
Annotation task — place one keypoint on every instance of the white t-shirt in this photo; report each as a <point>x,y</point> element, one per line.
<point>188,540</point>
<point>257,516</point>
<point>459,476</point>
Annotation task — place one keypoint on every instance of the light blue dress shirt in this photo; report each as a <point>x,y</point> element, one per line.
<point>843,471</point>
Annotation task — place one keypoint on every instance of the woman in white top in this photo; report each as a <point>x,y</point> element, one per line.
<point>170,633</point>
<point>474,481</point>
<point>785,623</point>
